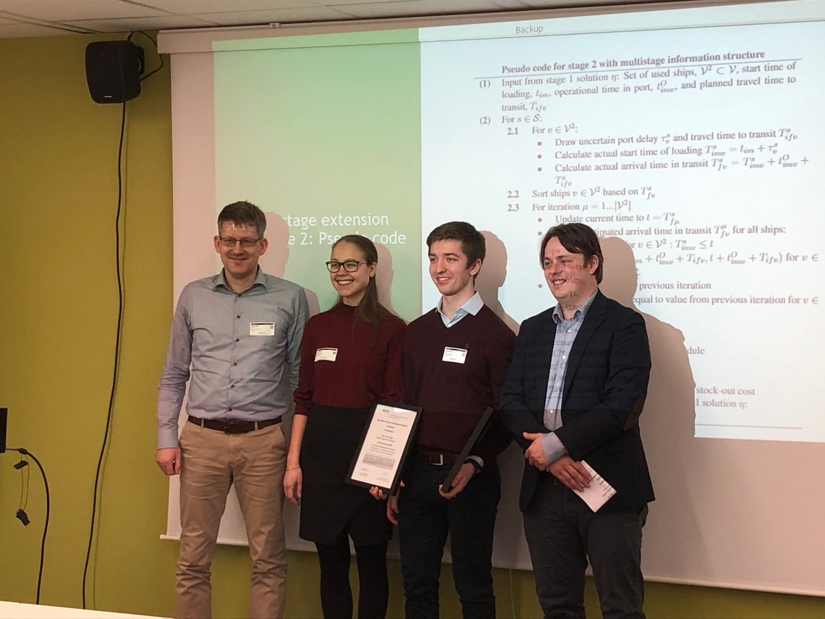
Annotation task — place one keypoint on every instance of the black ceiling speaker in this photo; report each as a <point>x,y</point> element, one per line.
<point>113,70</point>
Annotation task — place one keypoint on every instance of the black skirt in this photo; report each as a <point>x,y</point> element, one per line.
<point>329,505</point>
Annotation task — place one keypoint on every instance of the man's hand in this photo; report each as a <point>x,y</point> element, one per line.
<point>293,484</point>
<point>464,475</point>
<point>571,473</point>
<point>534,454</point>
<point>168,459</point>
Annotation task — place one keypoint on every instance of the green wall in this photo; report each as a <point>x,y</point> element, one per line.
<point>58,300</point>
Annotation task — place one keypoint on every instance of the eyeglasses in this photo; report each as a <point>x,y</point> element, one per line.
<point>350,266</point>
<point>228,241</point>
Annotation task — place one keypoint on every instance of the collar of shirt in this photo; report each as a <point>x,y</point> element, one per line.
<point>578,316</point>
<point>219,282</point>
<point>472,306</point>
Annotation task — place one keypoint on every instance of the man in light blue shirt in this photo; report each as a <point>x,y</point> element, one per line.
<point>234,335</point>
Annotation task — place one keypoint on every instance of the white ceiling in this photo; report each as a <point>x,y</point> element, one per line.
<point>34,18</point>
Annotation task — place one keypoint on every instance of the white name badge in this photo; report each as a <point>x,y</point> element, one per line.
<point>326,354</point>
<point>262,329</point>
<point>454,355</point>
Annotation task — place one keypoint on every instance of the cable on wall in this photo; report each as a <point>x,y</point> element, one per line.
<point>155,43</point>
<point>119,250</point>
<point>23,517</point>
<point>116,365</point>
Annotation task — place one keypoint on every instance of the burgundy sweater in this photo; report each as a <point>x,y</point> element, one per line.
<point>454,395</point>
<point>367,367</point>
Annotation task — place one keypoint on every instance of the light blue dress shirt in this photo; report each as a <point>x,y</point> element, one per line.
<point>566,332</point>
<point>472,306</point>
<point>233,349</point>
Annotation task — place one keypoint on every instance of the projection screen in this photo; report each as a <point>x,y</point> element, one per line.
<point>690,138</point>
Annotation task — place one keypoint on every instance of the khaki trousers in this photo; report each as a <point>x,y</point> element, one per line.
<point>211,462</point>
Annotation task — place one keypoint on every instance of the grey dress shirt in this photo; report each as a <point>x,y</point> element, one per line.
<point>235,348</point>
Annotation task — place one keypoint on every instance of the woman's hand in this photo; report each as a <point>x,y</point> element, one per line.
<point>293,482</point>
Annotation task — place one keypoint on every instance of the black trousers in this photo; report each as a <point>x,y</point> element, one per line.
<point>424,520</point>
<point>563,533</point>
<point>336,593</point>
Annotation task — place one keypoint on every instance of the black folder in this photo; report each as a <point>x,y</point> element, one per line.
<point>474,438</point>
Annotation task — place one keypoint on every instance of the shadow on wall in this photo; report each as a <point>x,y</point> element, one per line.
<point>274,261</point>
<point>667,424</point>
<point>384,276</point>
<point>492,277</point>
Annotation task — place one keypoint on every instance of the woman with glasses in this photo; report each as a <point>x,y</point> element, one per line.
<point>350,357</point>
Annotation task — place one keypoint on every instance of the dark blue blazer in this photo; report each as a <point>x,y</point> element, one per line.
<point>604,391</point>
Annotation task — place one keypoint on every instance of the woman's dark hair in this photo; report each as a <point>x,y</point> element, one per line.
<point>369,308</point>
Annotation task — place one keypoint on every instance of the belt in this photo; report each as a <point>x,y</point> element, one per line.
<point>233,426</point>
<point>437,459</point>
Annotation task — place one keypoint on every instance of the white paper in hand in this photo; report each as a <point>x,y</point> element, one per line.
<point>599,491</point>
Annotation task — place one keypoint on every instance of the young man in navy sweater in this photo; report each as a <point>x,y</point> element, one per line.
<point>455,361</point>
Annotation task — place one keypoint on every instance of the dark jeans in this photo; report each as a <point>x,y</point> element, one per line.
<point>336,594</point>
<point>563,533</point>
<point>425,518</point>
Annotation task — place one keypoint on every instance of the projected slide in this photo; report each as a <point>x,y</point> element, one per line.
<point>700,148</point>
<point>327,139</point>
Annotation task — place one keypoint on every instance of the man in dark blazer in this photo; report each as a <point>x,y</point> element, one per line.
<point>573,394</point>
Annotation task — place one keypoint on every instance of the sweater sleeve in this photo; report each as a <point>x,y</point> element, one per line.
<point>497,438</point>
<point>408,370</point>
<point>393,375</point>
<point>302,395</point>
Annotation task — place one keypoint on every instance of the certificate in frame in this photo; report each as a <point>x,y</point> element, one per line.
<point>387,438</point>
